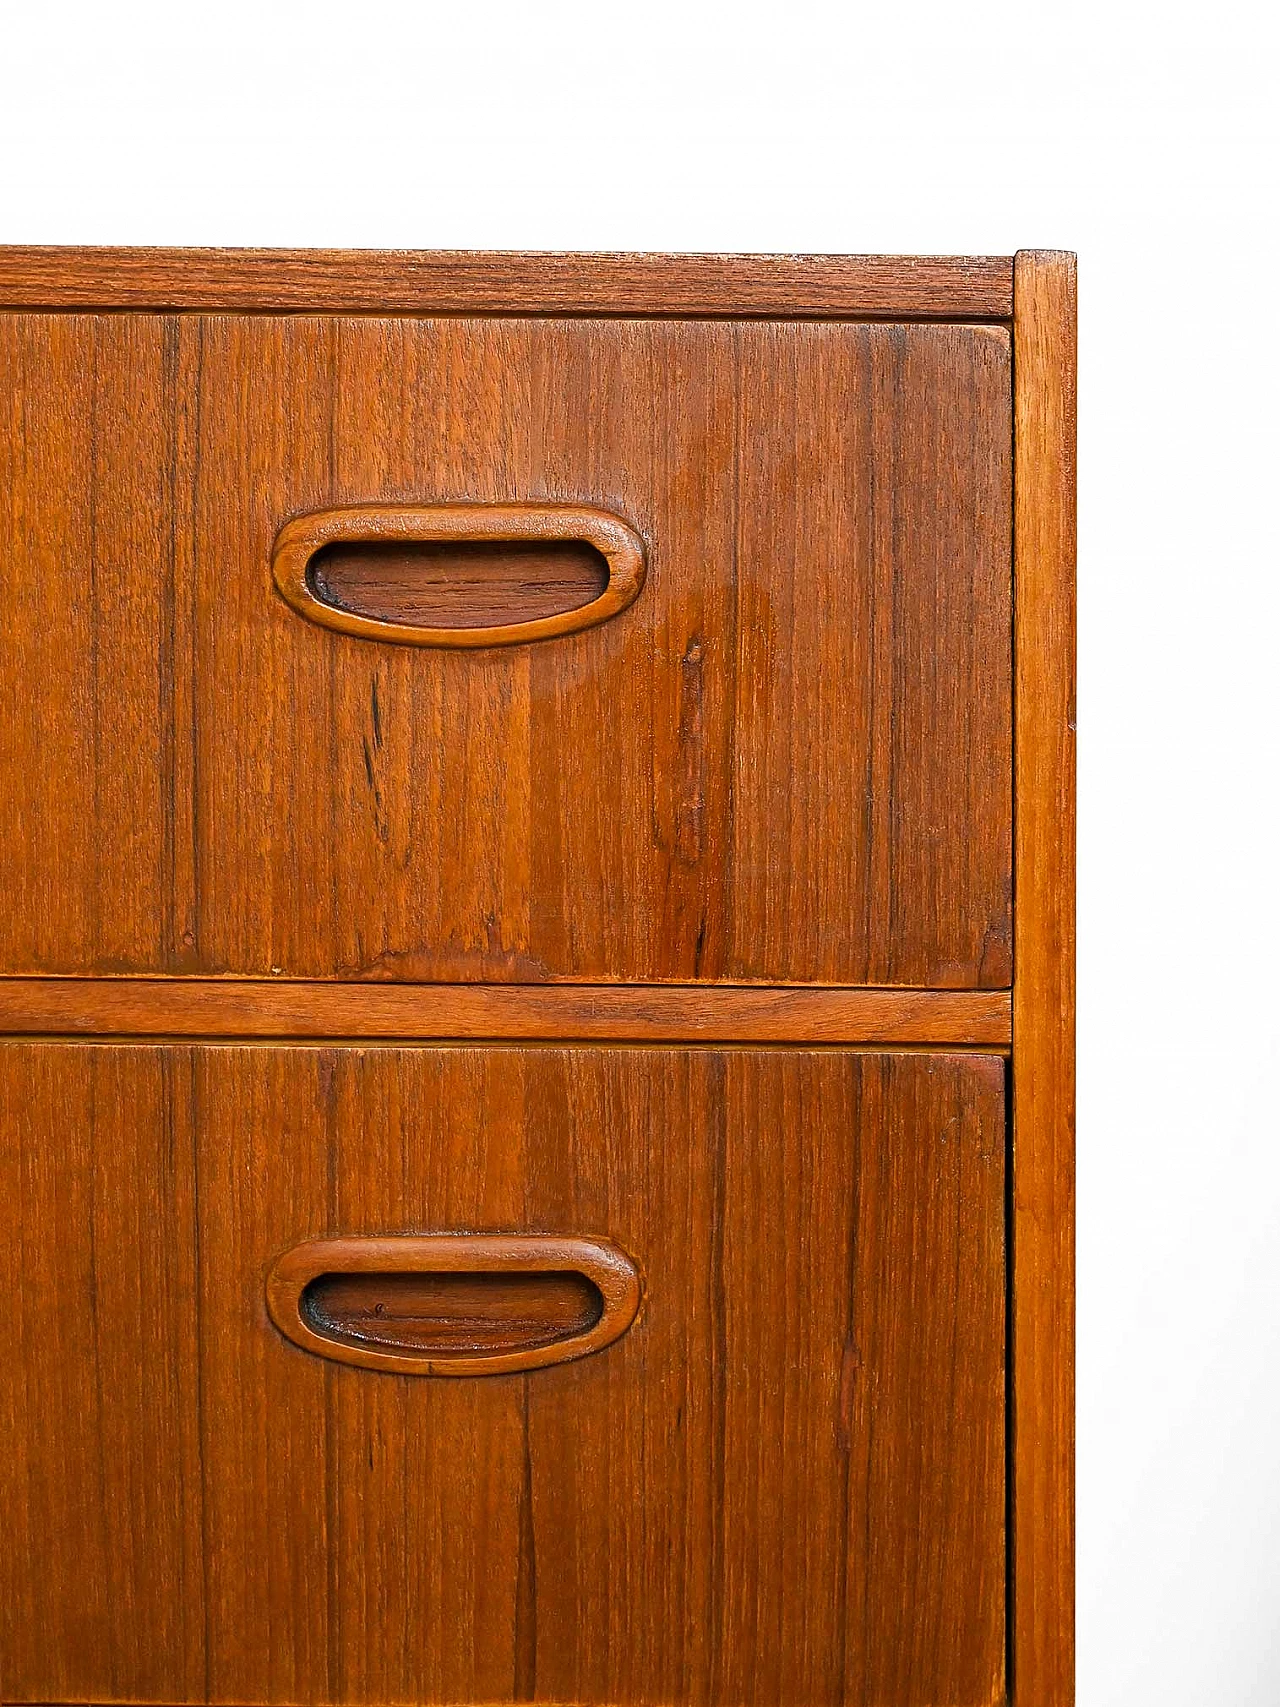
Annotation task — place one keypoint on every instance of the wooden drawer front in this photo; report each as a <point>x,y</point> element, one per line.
<point>788,758</point>
<point>783,1483</point>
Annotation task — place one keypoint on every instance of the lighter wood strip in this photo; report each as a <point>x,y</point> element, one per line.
<point>1043,1232</point>
<point>682,1013</point>
<point>450,282</point>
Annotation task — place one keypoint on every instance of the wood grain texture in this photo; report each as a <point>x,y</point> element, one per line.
<point>788,761</point>
<point>473,586</point>
<point>450,282</point>
<point>304,543</point>
<point>235,1007</point>
<point>505,1326</point>
<point>102,1570</point>
<point>784,1484</point>
<point>1043,1231</point>
<point>448,1317</point>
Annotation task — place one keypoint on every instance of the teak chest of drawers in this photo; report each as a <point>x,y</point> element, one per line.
<point>536,979</point>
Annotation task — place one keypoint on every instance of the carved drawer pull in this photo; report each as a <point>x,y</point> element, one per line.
<point>454,1303</point>
<point>459,575</point>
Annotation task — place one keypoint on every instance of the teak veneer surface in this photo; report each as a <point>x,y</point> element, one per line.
<point>783,1484</point>
<point>496,1270</point>
<point>727,945</point>
<point>1042,1232</point>
<point>476,586</point>
<point>788,760</point>
<point>950,287</point>
<point>235,1007</point>
<point>389,607</point>
<point>450,1316</point>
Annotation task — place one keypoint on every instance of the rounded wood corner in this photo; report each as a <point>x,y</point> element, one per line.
<point>301,539</point>
<point>496,1258</point>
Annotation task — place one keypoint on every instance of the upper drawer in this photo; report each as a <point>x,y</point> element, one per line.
<point>787,759</point>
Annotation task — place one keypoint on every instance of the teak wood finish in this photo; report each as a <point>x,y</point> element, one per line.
<point>503,1327</point>
<point>645,1013</point>
<point>259,281</point>
<point>659,1029</point>
<point>399,615</point>
<point>784,1482</point>
<point>1043,1222</point>
<point>788,760</point>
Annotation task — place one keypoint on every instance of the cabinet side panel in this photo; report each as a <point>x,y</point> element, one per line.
<point>1043,1231</point>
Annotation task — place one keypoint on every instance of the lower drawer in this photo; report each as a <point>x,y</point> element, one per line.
<point>782,1482</point>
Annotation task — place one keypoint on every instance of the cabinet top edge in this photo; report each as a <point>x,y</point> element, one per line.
<point>442,281</point>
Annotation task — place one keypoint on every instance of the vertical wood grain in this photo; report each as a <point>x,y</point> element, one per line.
<point>789,760</point>
<point>1043,1230</point>
<point>784,1483</point>
<point>873,626</point>
<point>266,1453</point>
<point>101,1505</point>
<point>92,721</point>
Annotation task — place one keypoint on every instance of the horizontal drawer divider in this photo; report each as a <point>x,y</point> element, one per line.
<point>717,1013</point>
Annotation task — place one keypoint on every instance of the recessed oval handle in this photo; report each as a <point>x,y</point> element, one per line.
<point>454,1303</point>
<point>459,574</point>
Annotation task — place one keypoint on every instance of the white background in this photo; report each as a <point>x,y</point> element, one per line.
<point>1142,136</point>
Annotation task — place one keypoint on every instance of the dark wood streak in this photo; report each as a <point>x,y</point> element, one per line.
<point>525,1634</point>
